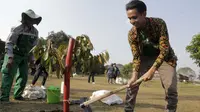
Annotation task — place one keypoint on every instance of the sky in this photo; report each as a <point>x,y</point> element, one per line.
<point>106,23</point>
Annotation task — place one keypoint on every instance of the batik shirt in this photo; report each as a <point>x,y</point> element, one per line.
<point>151,41</point>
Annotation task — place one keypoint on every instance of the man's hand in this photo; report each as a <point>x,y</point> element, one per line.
<point>132,80</point>
<point>10,62</point>
<point>148,75</point>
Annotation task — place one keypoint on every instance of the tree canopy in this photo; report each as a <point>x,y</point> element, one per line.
<point>53,51</point>
<point>194,49</point>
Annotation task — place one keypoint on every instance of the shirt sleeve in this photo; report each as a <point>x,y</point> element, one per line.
<point>135,49</point>
<point>12,40</point>
<point>163,44</point>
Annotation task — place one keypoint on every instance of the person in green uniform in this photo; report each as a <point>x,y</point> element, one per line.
<point>20,41</point>
<point>151,49</point>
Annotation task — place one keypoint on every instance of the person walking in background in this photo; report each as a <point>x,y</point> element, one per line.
<point>91,75</point>
<point>110,74</point>
<point>116,71</point>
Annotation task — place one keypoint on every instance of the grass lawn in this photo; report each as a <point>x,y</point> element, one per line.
<point>150,97</point>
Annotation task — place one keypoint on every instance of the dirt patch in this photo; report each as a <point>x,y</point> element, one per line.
<point>30,107</point>
<point>35,106</point>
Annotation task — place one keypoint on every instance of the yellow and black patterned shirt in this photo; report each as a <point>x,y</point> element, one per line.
<point>151,41</point>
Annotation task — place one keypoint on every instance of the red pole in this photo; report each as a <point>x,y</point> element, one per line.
<point>67,75</point>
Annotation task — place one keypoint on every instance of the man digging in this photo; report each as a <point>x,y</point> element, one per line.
<point>149,41</point>
<point>18,44</point>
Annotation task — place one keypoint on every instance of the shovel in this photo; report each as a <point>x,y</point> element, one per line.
<point>87,103</point>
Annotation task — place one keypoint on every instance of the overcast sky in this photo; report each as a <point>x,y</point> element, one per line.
<point>106,23</point>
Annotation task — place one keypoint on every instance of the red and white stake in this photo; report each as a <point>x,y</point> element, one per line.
<point>67,75</point>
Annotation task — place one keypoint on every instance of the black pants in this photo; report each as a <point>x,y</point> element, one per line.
<point>40,71</point>
<point>91,75</point>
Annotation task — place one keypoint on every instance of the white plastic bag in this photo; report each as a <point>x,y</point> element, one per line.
<point>113,99</point>
<point>34,95</point>
<point>74,74</point>
<point>34,92</point>
<point>120,80</point>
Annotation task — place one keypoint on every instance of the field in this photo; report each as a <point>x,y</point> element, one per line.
<point>150,97</point>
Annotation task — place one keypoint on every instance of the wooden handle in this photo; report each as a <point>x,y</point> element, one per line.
<point>109,93</point>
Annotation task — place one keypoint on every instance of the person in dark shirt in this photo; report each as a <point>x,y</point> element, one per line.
<point>116,71</point>
<point>91,75</point>
<point>110,74</point>
<point>40,71</point>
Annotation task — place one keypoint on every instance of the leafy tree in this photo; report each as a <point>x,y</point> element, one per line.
<point>50,55</point>
<point>53,51</point>
<point>58,38</point>
<point>83,60</point>
<point>194,49</point>
<point>127,70</point>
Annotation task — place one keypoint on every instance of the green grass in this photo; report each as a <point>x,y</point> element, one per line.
<point>150,97</point>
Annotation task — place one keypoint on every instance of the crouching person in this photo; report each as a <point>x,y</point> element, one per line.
<point>40,71</point>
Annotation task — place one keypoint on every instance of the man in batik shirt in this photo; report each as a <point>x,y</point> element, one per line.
<point>152,52</point>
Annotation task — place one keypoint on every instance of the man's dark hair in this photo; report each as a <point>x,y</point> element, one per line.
<point>136,4</point>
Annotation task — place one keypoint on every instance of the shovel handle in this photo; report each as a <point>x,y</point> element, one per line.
<point>109,93</point>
